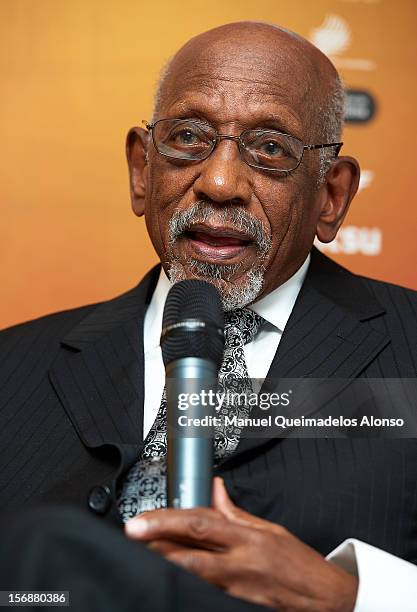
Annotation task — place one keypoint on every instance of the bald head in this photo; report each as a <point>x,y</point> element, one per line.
<point>262,53</point>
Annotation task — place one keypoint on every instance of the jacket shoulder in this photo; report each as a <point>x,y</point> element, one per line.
<point>353,289</point>
<point>393,297</point>
<point>384,286</point>
<point>40,337</point>
<point>58,320</point>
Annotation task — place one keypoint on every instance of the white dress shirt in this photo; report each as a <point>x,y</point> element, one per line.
<point>386,583</point>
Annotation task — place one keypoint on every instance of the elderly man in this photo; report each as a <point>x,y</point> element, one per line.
<point>236,174</point>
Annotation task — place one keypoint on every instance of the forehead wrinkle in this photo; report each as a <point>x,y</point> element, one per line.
<point>210,100</point>
<point>267,79</point>
<point>227,57</point>
<point>253,86</point>
<point>217,77</point>
<point>264,61</point>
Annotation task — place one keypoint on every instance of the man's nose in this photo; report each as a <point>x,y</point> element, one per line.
<point>224,176</point>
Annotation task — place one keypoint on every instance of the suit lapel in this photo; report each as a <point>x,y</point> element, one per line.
<point>100,370</point>
<point>328,335</point>
<point>324,340</point>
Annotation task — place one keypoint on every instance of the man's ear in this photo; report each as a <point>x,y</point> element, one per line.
<point>341,184</point>
<point>136,148</point>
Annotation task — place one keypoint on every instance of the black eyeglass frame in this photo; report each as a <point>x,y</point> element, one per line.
<point>218,137</point>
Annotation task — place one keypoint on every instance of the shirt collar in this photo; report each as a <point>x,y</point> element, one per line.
<point>155,312</point>
<point>275,307</point>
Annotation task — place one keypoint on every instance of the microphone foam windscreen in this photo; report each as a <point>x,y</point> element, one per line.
<point>198,301</point>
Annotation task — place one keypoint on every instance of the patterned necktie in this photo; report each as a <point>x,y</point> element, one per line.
<point>241,326</point>
<point>144,486</point>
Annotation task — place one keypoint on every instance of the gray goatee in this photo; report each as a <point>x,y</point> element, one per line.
<point>234,294</point>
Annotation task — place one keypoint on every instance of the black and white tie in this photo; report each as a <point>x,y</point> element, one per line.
<point>241,327</point>
<point>144,486</point>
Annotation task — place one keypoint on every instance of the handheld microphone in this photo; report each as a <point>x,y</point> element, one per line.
<point>192,345</point>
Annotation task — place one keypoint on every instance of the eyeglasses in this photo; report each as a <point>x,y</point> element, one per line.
<point>265,149</point>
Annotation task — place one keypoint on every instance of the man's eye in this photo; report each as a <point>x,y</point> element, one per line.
<point>186,137</point>
<point>272,148</point>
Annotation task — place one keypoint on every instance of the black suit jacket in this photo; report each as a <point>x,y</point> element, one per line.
<point>71,413</point>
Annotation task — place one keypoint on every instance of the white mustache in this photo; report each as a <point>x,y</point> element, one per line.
<point>229,215</point>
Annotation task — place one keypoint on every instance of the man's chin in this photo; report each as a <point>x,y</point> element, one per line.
<point>236,288</point>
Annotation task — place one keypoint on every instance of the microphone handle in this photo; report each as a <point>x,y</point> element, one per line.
<point>190,449</point>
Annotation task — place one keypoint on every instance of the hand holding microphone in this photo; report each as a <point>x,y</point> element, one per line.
<point>246,556</point>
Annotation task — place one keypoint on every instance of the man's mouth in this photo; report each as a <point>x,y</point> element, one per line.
<point>217,242</point>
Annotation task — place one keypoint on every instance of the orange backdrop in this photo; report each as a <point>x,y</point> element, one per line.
<point>76,74</point>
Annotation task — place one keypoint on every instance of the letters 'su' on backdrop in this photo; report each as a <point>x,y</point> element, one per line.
<point>76,74</point>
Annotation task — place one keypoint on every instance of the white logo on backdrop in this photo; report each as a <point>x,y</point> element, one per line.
<point>352,240</point>
<point>367,177</point>
<point>334,37</point>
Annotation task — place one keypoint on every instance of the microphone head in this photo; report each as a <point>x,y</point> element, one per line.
<point>193,322</point>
